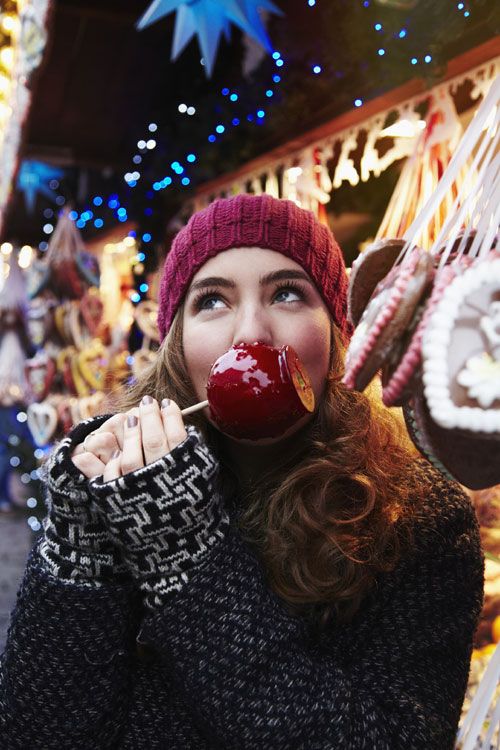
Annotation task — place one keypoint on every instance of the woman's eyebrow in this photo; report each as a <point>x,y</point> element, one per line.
<point>285,273</point>
<point>212,281</point>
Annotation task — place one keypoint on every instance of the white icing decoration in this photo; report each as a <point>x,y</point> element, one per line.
<point>481,377</point>
<point>490,325</point>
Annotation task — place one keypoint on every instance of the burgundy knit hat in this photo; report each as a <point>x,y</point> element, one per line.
<point>255,221</point>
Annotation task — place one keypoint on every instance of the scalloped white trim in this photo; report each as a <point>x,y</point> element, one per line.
<point>435,345</point>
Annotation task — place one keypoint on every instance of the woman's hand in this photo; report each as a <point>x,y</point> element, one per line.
<point>131,440</point>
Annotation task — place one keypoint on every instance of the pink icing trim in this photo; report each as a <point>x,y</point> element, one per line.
<point>387,313</point>
<point>413,355</point>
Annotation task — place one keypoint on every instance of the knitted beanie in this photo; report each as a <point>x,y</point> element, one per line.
<point>255,221</point>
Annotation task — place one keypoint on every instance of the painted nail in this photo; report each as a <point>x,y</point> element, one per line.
<point>147,400</point>
<point>132,420</point>
<point>116,453</point>
<point>165,403</point>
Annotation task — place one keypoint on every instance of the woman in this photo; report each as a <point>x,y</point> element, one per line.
<point>317,590</point>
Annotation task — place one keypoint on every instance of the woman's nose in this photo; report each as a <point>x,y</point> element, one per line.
<point>252,325</point>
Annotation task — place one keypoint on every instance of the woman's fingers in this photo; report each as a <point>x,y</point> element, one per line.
<point>112,470</point>
<point>173,424</point>
<point>101,444</point>
<point>132,458</point>
<point>88,464</point>
<point>114,424</point>
<point>154,440</point>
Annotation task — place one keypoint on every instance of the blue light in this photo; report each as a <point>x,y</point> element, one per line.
<point>87,215</point>
<point>276,78</point>
<point>156,186</point>
<point>402,33</point>
<point>466,14</point>
<point>148,211</point>
<point>185,180</point>
<point>146,237</point>
<point>190,158</point>
<point>234,97</point>
<point>317,69</point>
<point>414,61</point>
<point>381,52</point>
<point>130,360</point>
<point>167,181</point>
<point>250,118</point>
<point>175,165</point>
<point>211,138</point>
<point>132,183</point>
<point>311,3</point>
<point>225,91</point>
<point>135,297</point>
<point>235,121</point>
<point>122,212</point>
<point>122,218</point>
<point>141,257</point>
<point>276,55</point>
<point>378,27</point>
<point>73,215</point>
<point>97,201</point>
<point>98,223</point>
<point>80,224</point>
<point>143,288</point>
<point>358,102</point>
<point>427,58</point>
<point>113,203</point>
<point>460,6</point>
<point>220,129</point>
<point>279,63</point>
<point>366,3</point>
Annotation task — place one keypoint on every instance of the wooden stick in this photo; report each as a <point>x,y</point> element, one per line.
<point>195,407</point>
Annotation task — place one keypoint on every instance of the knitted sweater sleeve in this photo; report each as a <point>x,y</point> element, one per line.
<point>394,678</point>
<point>66,673</point>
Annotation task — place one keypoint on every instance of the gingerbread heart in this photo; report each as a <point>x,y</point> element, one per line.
<point>39,321</point>
<point>42,422</point>
<point>92,364</point>
<point>461,352</point>
<point>40,372</point>
<point>80,337</point>
<point>92,309</point>
<point>146,316</point>
<point>64,360</point>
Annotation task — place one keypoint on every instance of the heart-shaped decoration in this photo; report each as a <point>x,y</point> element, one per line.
<point>142,359</point>
<point>64,361</point>
<point>461,350</point>
<point>42,422</point>
<point>39,320</point>
<point>39,372</point>
<point>64,415</point>
<point>146,316</point>
<point>79,335</point>
<point>92,364</point>
<point>92,309</point>
<point>90,405</point>
<point>61,322</point>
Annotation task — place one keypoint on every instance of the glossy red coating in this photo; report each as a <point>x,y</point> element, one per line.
<point>257,391</point>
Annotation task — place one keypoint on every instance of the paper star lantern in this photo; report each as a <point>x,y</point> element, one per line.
<point>209,19</point>
<point>35,177</point>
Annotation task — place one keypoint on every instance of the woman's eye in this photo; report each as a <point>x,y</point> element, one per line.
<point>210,302</point>
<point>288,294</point>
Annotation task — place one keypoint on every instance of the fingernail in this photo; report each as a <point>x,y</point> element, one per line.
<point>116,453</point>
<point>131,420</point>
<point>147,400</point>
<point>165,403</point>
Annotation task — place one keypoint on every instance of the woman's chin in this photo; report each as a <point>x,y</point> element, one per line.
<point>295,428</point>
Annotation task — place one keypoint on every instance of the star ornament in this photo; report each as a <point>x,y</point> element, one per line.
<point>209,19</point>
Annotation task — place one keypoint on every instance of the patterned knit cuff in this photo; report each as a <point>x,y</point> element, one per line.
<point>76,545</point>
<point>166,516</point>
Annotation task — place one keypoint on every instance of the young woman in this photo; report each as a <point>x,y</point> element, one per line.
<point>191,590</point>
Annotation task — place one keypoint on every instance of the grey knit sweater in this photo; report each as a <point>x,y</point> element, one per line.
<point>226,666</point>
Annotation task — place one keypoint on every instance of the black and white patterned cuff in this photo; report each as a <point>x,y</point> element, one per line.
<point>166,517</point>
<point>76,545</point>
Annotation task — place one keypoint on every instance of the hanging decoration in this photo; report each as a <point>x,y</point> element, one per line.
<point>35,177</point>
<point>209,20</point>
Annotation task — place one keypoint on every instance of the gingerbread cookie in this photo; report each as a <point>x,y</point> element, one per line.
<point>367,271</point>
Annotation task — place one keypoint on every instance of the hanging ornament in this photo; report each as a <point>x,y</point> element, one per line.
<point>209,19</point>
<point>35,177</point>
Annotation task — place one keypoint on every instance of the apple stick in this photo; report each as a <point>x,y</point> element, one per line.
<point>195,407</point>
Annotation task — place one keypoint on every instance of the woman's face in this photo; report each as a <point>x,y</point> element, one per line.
<point>244,295</point>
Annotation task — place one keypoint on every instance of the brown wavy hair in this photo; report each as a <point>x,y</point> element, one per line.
<point>325,523</point>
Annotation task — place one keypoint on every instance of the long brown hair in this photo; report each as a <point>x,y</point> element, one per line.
<point>326,524</point>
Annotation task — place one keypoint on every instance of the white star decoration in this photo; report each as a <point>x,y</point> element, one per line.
<point>209,19</point>
<point>481,378</point>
